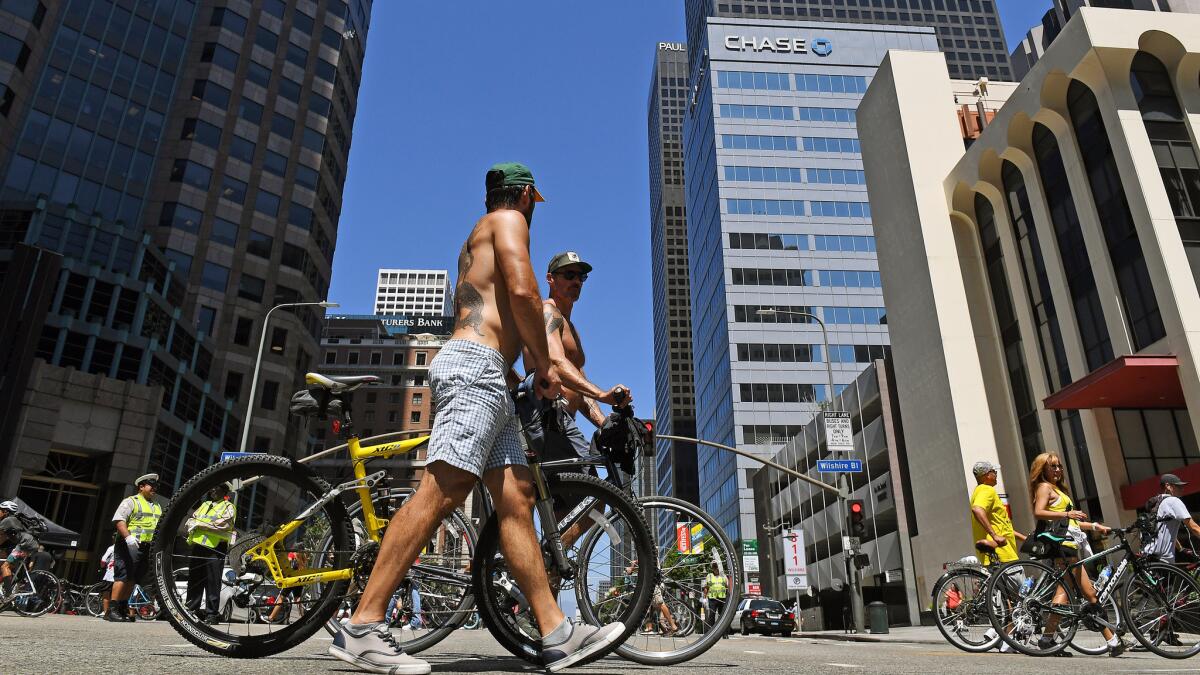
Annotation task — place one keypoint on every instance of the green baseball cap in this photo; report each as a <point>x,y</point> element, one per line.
<point>509,174</point>
<point>567,258</point>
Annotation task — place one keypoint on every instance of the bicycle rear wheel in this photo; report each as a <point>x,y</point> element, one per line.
<point>95,598</point>
<point>269,493</point>
<point>960,610</point>
<point>601,588</point>
<point>1162,605</point>
<point>1020,603</point>
<point>682,577</point>
<point>36,594</point>
<point>436,596</point>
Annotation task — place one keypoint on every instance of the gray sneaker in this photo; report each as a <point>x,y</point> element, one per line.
<point>372,648</point>
<point>583,641</point>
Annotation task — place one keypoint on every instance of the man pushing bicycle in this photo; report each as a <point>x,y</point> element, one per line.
<point>498,310</point>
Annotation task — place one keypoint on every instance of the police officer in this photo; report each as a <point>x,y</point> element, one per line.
<point>209,530</point>
<point>135,520</point>
<point>716,589</point>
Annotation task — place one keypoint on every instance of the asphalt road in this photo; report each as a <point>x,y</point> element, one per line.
<point>71,644</point>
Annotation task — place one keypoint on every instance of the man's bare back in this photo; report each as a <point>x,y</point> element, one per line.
<point>482,309</point>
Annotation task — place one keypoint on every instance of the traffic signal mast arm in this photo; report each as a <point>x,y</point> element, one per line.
<point>796,474</point>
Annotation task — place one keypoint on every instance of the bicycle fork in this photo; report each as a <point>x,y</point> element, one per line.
<point>545,509</point>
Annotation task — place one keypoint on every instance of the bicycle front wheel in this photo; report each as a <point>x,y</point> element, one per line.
<point>95,598</point>
<point>272,495</point>
<point>607,583</point>
<point>1162,605</point>
<point>682,576</point>
<point>36,594</point>
<point>960,610</point>
<point>1020,603</point>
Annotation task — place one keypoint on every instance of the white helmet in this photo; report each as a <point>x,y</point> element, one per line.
<point>10,506</point>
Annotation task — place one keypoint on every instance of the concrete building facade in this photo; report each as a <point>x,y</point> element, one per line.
<point>1042,284</point>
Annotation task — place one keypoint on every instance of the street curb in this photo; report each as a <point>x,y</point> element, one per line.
<point>852,637</point>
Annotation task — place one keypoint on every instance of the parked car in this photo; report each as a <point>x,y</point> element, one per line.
<point>763,615</point>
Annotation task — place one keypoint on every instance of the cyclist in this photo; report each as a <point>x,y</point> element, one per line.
<point>209,531</point>
<point>564,277</point>
<point>716,589</point>
<point>13,533</point>
<point>1171,513</point>
<point>1048,490</point>
<point>135,519</point>
<point>498,310</point>
<point>991,525</point>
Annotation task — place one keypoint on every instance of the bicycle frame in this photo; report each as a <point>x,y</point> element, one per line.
<point>1107,591</point>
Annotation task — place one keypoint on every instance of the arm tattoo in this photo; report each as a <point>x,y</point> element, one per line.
<point>554,321</point>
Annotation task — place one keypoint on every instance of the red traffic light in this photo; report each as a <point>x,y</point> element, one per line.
<point>856,507</point>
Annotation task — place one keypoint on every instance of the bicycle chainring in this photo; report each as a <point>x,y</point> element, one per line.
<point>363,561</point>
<point>1089,614</point>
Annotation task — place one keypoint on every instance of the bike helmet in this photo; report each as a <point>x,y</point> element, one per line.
<point>10,506</point>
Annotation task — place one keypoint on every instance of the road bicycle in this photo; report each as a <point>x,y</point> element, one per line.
<point>681,573</point>
<point>285,506</point>
<point>72,600</point>
<point>1157,602</point>
<point>30,592</point>
<point>960,607</point>
<point>144,604</point>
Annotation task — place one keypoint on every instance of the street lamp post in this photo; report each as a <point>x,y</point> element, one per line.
<point>856,599</point>
<point>258,361</point>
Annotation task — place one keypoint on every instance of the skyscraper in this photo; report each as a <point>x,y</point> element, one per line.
<point>413,292</point>
<point>675,394</point>
<point>968,31</point>
<point>169,171</point>
<point>778,219</point>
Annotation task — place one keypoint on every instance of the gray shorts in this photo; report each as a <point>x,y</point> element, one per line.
<point>475,426</point>
<point>575,444</point>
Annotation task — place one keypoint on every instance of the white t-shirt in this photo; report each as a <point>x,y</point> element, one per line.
<point>1164,543</point>
<point>107,561</point>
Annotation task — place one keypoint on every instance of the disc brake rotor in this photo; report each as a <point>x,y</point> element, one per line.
<point>238,560</point>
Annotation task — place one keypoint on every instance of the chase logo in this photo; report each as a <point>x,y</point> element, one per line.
<point>822,47</point>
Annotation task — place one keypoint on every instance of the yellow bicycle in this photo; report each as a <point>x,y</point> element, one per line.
<point>314,537</point>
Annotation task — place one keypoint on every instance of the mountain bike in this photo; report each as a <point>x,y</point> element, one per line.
<point>30,592</point>
<point>961,615</point>
<point>284,506</point>
<point>1158,603</point>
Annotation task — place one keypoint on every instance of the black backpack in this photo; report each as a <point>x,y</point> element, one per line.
<point>35,525</point>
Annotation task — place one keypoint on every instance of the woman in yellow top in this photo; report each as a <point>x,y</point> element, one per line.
<point>1051,501</point>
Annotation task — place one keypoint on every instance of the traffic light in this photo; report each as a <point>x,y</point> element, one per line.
<point>858,512</point>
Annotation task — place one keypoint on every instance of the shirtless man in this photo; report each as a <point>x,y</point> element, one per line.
<point>476,433</point>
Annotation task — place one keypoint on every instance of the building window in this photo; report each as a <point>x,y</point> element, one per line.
<point>398,359</point>
<point>1154,442</point>
<point>1173,151</point>
<point>191,173</point>
<point>206,320</point>
<point>418,399</point>
<point>414,416</point>
<point>220,56</point>
<point>421,356</point>
<point>269,395</point>
<point>353,358</point>
<point>376,358</point>
<point>199,131</point>
<point>180,217</point>
<point>227,18</point>
<point>1009,330</point>
<point>259,244</point>
<point>233,385</point>
<point>1124,248</point>
<point>243,149</point>
<point>1077,266</point>
<point>241,331</point>
<point>251,287</point>
<point>214,276</point>
<point>278,340</point>
<point>330,358</point>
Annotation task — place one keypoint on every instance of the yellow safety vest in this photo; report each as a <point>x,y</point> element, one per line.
<point>208,513</point>
<point>716,586</point>
<point>144,518</point>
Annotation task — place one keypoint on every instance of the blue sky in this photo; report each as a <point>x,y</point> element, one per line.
<point>450,88</point>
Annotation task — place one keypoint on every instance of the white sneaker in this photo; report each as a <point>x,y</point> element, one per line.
<point>583,641</point>
<point>373,648</point>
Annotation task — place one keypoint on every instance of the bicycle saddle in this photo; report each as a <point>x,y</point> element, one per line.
<point>338,384</point>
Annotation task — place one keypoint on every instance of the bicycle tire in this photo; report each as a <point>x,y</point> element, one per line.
<point>1004,589</point>
<point>95,599</point>
<point>521,644</point>
<point>46,592</point>
<point>205,636</point>
<point>731,565</point>
<point>1150,635</point>
<point>456,523</point>
<point>979,580</point>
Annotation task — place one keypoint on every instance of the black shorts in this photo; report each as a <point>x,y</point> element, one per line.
<point>129,565</point>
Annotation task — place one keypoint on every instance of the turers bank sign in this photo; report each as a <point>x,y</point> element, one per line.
<point>783,45</point>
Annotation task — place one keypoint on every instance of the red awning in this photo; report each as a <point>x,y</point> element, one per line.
<point>1128,382</point>
<point>1134,496</point>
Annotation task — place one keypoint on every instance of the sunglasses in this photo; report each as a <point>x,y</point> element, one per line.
<point>572,275</point>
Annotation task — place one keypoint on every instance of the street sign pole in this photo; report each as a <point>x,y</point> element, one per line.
<point>856,599</point>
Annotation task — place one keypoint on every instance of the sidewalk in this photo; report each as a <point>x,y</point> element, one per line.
<point>911,634</point>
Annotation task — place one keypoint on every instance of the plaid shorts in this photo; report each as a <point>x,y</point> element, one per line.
<point>475,425</point>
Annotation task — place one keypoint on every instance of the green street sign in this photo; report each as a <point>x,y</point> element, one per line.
<point>749,547</point>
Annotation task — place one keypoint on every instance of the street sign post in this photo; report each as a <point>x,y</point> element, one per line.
<point>839,465</point>
<point>794,566</point>
<point>839,436</point>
